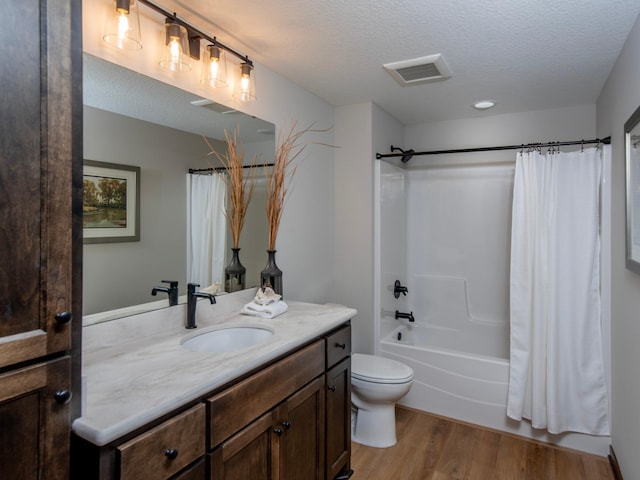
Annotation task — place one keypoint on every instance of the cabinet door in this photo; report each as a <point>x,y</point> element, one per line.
<point>34,425</point>
<point>300,425</point>
<point>249,454</point>
<point>338,418</point>
<point>37,155</point>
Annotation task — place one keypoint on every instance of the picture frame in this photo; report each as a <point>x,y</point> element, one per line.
<point>632,176</point>
<point>111,202</point>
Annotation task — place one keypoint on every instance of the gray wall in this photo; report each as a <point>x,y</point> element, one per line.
<point>618,100</point>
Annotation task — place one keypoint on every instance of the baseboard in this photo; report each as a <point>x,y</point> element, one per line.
<point>613,461</point>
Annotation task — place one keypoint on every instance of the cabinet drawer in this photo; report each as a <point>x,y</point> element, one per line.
<point>242,403</point>
<point>338,345</point>
<point>147,456</point>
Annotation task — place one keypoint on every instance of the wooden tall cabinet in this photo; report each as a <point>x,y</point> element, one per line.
<point>40,243</point>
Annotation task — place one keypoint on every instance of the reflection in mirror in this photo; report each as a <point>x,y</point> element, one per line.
<point>131,119</point>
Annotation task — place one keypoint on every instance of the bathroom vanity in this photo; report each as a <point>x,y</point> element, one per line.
<point>278,409</point>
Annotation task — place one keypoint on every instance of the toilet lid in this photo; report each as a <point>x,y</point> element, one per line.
<point>374,369</point>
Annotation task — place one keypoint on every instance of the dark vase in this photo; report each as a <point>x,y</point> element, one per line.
<point>271,275</point>
<point>234,273</point>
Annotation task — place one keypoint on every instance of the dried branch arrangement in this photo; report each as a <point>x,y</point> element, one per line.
<point>239,185</point>
<point>279,179</point>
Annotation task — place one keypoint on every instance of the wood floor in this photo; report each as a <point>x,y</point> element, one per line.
<point>434,448</point>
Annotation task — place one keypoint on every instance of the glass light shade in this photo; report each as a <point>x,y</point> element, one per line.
<point>245,90</point>
<point>122,29</point>
<point>214,67</point>
<point>175,55</point>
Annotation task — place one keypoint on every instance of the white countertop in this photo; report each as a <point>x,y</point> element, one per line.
<point>135,369</point>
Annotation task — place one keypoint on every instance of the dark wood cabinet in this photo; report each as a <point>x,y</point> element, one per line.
<point>34,421</point>
<point>289,420</point>
<point>300,429</point>
<point>250,453</point>
<point>286,443</point>
<point>40,249</point>
<point>338,403</point>
<point>338,422</point>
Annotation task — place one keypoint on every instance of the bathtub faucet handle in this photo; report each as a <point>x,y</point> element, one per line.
<point>408,316</point>
<point>399,289</point>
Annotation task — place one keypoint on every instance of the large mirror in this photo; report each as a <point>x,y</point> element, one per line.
<point>632,144</point>
<point>133,120</point>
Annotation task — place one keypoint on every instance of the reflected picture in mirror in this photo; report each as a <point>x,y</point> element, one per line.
<point>131,119</point>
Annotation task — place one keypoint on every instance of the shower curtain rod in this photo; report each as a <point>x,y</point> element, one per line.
<point>407,154</point>
<point>222,169</point>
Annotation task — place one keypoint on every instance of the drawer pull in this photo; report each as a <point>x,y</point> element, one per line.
<point>171,453</point>
<point>277,431</point>
<point>63,396</point>
<point>332,388</point>
<point>341,345</point>
<point>63,317</point>
<point>286,425</point>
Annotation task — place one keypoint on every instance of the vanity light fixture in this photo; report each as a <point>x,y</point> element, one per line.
<point>214,68</point>
<point>122,29</point>
<point>484,104</point>
<point>246,87</point>
<point>182,44</point>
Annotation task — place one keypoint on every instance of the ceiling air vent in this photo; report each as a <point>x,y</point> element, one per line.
<point>419,70</point>
<point>216,107</point>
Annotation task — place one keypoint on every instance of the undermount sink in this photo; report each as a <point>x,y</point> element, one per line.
<point>226,339</point>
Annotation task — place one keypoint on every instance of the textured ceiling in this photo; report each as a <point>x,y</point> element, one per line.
<point>524,54</point>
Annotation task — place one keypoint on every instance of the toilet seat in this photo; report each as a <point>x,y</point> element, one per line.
<point>374,369</point>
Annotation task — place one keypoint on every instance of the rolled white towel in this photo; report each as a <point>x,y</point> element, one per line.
<point>265,311</point>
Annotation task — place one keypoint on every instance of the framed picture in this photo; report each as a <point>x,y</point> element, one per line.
<point>110,202</point>
<point>632,154</point>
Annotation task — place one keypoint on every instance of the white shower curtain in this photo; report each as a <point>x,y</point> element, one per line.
<point>206,229</point>
<point>557,373</point>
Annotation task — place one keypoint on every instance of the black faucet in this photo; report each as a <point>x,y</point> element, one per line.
<point>192,299</point>
<point>399,289</point>
<point>172,290</point>
<point>408,316</point>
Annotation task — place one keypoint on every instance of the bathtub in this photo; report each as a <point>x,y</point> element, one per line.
<point>464,375</point>
<point>455,374</point>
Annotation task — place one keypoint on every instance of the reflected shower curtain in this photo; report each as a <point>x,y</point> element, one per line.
<point>557,373</point>
<point>206,229</point>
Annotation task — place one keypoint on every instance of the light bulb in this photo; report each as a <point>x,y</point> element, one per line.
<point>174,49</point>
<point>123,23</point>
<point>214,66</point>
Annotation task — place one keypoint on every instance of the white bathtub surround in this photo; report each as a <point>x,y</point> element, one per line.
<point>137,370</point>
<point>472,387</point>
<point>557,373</point>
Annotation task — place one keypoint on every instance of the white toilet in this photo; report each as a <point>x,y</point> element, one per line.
<point>377,383</point>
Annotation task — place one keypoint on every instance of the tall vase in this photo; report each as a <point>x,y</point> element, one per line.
<point>234,273</point>
<point>271,275</point>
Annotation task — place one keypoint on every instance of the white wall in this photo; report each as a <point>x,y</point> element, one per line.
<point>618,100</point>
<point>361,130</point>
<point>305,241</point>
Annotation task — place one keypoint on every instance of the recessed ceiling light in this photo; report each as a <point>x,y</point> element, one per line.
<point>484,104</point>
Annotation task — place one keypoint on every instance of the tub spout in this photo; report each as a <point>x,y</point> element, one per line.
<point>408,316</point>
